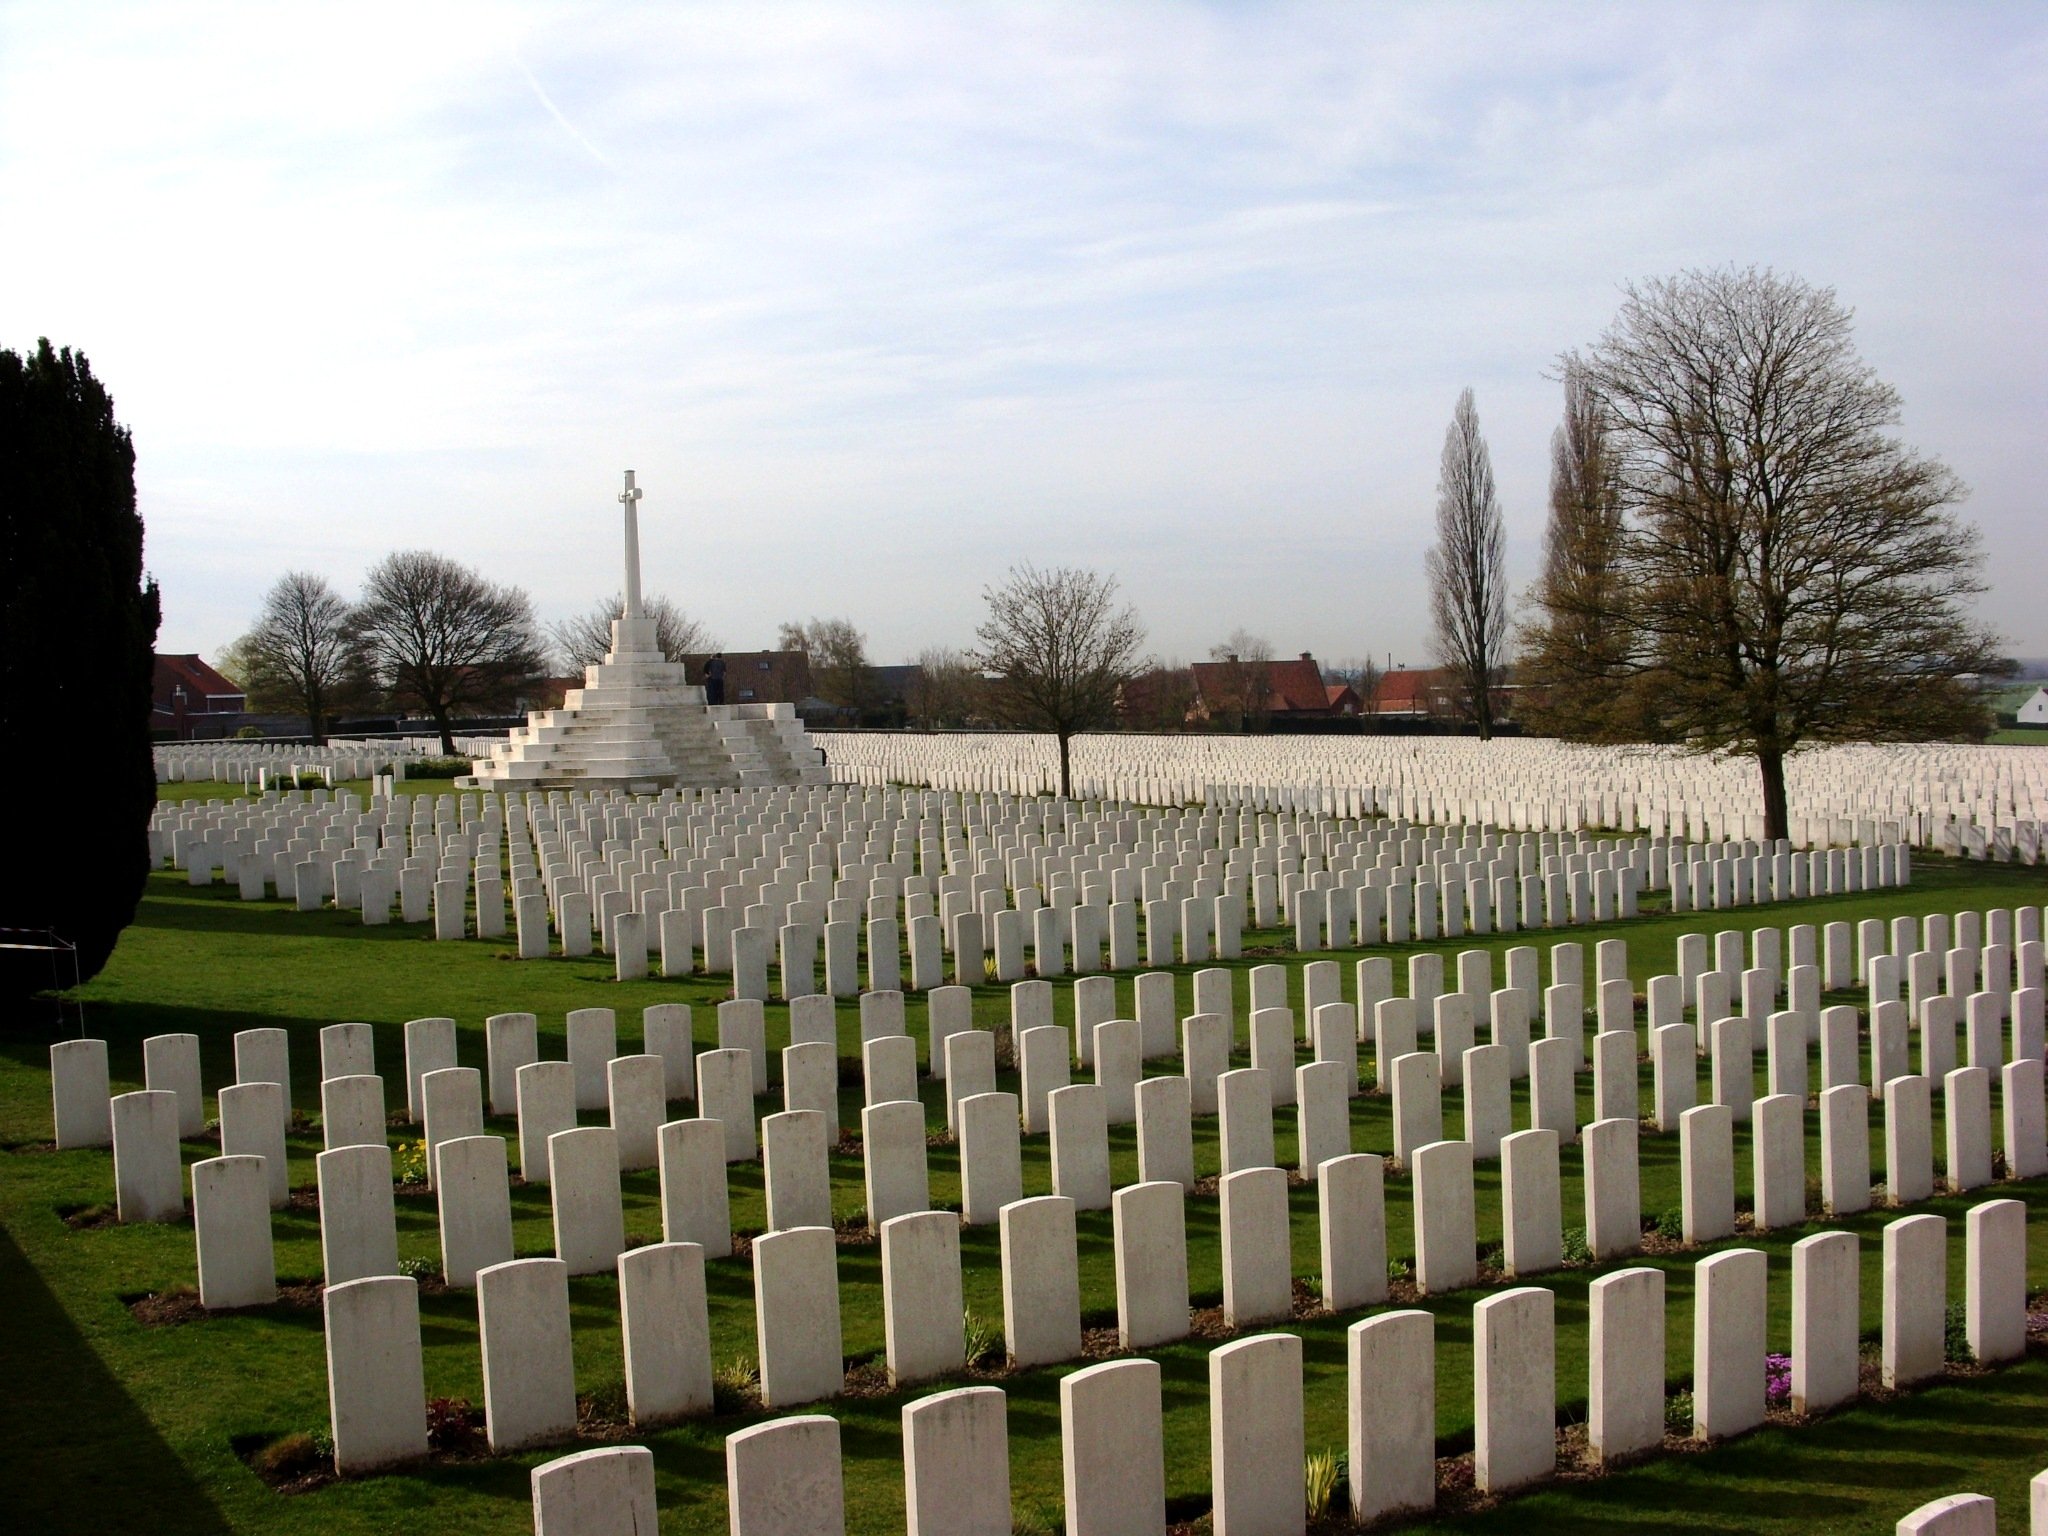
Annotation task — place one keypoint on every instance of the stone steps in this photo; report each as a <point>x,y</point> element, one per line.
<point>637,721</point>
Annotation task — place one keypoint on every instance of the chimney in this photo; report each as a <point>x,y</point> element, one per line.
<point>1306,656</point>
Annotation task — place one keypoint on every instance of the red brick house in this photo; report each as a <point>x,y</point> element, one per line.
<point>1432,693</point>
<point>1268,691</point>
<point>184,688</point>
<point>1418,693</point>
<point>761,677</point>
<point>1344,699</point>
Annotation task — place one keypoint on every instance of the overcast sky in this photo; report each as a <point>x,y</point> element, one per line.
<point>881,299</point>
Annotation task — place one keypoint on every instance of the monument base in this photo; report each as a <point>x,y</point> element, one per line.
<point>637,724</point>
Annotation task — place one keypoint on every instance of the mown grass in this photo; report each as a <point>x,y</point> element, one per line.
<point>108,1423</point>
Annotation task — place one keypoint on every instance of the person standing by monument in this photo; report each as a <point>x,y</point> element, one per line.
<point>714,679</point>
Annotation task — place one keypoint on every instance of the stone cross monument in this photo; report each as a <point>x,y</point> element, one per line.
<point>630,498</point>
<point>639,724</point>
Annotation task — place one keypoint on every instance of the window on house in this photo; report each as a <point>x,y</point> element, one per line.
<point>761,665</point>
<point>746,693</point>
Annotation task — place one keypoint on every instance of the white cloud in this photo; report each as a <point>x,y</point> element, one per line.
<point>879,299</point>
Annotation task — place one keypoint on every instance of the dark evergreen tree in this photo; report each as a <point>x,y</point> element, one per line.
<point>78,655</point>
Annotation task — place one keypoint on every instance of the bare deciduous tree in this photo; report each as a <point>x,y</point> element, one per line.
<point>839,662</point>
<point>586,639</point>
<point>1363,674</point>
<point>301,654</point>
<point>1574,648</point>
<point>945,690</point>
<point>1058,649</point>
<point>1787,571</point>
<point>441,638</point>
<point>1467,577</point>
<point>1246,681</point>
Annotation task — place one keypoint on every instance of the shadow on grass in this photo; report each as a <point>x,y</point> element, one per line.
<point>1859,1470</point>
<point>125,1024</point>
<point>220,909</point>
<point>96,1463</point>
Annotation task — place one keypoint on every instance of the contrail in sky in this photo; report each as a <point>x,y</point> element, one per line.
<point>556,113</point>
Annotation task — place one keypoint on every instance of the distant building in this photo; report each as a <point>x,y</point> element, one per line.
<point>762,677</point>
<point>2035,710</point>
<point>188,700</point>
<point>1434,693</point>
<point>1276,692</point>
<point>1415,693</point>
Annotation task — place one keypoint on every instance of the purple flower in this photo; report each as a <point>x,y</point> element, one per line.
<point>1777,1380</point>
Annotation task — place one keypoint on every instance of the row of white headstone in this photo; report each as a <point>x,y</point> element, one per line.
<point>784,1476</point>
<point>232,1198</point>
<point>354,1098</point>
<point>248,762</point>
<point>1391,1026</point>
<point>1006,944</point>
<point>1837,794</point>
<point>232,1195</point>
<point>1798,963</point>
<point>1338,886</point>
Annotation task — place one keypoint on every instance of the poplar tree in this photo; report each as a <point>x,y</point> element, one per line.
<point>1467,569</point>
<point>1573,664</point>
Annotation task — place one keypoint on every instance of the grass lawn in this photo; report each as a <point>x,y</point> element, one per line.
<point>108,1424</point>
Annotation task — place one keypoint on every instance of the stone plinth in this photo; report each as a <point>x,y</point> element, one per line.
<point>638,723</point>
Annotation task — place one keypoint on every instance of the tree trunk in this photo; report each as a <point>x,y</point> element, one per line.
<point>1770,762</point>
<point>1066,768</point>
<point>441,723</point>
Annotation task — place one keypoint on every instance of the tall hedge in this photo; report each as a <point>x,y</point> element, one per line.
<point>76,782</point>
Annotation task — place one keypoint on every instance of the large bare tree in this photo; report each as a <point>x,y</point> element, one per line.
<point>586,639</point>
<point>443,639</point>
<point>301,653</point>
<point>1787,571</point>
<point>840,670</point>
<point>1466,567</point>
<point>1058,649</point>
<point>1245,680</point>
<point>1575,645</point>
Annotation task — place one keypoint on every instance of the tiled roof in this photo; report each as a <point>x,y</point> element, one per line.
<point>1408,689</point>
<point>1293,686</point>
